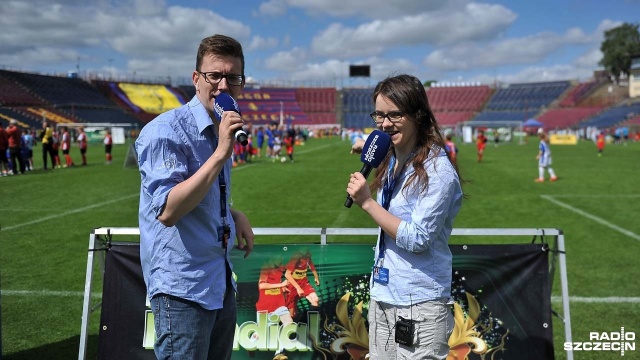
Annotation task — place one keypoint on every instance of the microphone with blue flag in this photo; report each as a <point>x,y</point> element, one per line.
<point>374,150</point>
<point>224,102</point>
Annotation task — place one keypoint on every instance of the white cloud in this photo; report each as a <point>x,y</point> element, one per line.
<point>287,61</point>
<point>473,22</point>
<point>366,8</point>
<point>259,42</point>
<point>524,50</point>
<point>272,8</point>
<point>164,35</point>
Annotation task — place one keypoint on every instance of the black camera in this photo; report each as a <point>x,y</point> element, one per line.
<point>404,331</point>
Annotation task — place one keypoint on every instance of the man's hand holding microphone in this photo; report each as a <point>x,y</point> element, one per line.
<point>227,112</point>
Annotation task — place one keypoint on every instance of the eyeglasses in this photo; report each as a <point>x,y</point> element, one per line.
<point>393,116</point>
<point>214,77</point>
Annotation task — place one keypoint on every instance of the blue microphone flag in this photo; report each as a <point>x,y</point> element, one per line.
<point>375,148</point>
<point>224,102</point>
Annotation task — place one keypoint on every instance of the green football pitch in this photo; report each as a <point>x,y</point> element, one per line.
<point>46,218</point>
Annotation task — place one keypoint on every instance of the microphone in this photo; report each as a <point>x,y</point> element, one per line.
<point>224,102</point>
<point>374,150</point>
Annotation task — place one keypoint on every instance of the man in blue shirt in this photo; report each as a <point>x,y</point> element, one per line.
<point>187,226</point>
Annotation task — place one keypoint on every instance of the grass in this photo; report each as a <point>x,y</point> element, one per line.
<point>46,219</point>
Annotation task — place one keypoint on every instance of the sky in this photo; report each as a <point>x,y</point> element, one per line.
<point>313,42</point>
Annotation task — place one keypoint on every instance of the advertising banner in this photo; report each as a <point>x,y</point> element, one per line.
<point>500,293</point>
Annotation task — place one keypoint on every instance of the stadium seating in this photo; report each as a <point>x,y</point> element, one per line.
<point>527,96</point>
<point>30,98</point>
<point>317,100</point>
<point>458,98</point>
<point>613,116</point>
<point>189,91</point>
<point>57,99</point>
<point>12,94</point>
<point>356,107</point>
<point>24,121</point>
<point>579,93</point>
<point>520,115</point>
<point>567,117</point>
<point>452,118</point>
<point>64,92</point>
<point>265,105</point>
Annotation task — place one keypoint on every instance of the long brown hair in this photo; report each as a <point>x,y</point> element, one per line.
<point>408,93</point>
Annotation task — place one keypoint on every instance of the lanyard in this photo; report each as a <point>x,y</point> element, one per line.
<point>387,193</point>
<point>225,232</point>
<point>223,197</point>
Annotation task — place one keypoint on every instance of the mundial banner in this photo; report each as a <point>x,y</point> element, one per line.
<point>501,303</point>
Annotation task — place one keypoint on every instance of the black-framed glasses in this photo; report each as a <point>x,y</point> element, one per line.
<point>393,116</point>
<point>214,78</point>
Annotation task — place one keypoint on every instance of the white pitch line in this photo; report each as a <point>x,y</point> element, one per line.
<point>47,293</point>
<point>314,149</point>
<point>606,300</point>
<point>592,217</point>
<point>46,218</point>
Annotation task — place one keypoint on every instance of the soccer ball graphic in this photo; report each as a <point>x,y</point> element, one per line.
<point>283,159</point>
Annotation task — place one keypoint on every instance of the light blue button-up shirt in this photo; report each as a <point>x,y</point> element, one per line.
<point>419,260</point>
<point>186,260</point>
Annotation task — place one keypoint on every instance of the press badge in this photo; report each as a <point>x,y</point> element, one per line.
<point>381,275</point>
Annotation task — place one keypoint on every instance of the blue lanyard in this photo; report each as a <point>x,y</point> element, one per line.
<point>387,193</point>
<point>223,199</point>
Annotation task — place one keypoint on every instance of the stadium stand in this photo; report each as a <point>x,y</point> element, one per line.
<point>567,117</point>
<point>520,115</point>
<point>64,92</point>
<point>519,102</point>
<point>57,99</point>
<point>452,118</point>
<point>12,94</point>
<point>30,98</point>
<point>189,91</point>
<point>143,101</point>
<point>458,98</point>
<point>527,96</point>
<point>613,116</point>
<point>6,114</point>
<point>319,104</point>
<point>264,105</point>
<point>356,107</point>
<point>456,104</point>
<point>579,92</point>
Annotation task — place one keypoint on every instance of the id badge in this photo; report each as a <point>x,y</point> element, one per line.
<point>381,275</point>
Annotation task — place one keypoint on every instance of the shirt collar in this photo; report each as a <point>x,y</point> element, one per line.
<point>203,119</point>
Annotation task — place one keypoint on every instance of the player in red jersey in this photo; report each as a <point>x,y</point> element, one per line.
<point>66,146</point>
<point>299,286</point>
<point>271,291</point>
<point>82,142</point>
<point>481,142</point>
<point>452,149</point>
<point>600,143</point>
<point>108,144</point>
<point>289,141</point>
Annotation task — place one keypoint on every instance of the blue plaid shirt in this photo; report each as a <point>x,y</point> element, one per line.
<point>419,260</point>
<point>186,260</point>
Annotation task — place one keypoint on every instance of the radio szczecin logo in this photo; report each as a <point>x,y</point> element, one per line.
<point>606,341</point>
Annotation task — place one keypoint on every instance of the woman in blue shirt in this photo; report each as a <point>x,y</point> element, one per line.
<point>418,197</point>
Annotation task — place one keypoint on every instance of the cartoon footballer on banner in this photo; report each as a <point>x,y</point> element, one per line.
<point>271,296</point>
<point>299,286</point>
